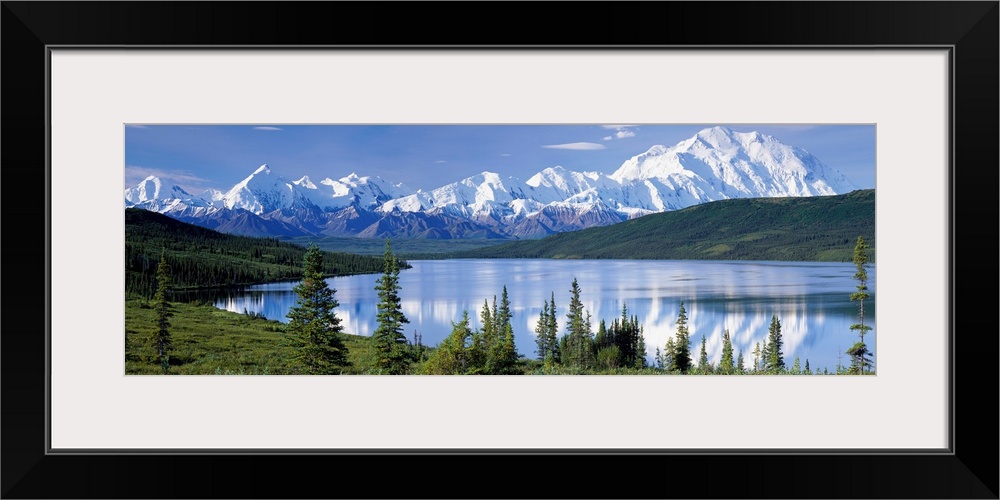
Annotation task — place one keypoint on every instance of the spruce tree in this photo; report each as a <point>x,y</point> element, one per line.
<point>162,338</point>
<point>504,357</point>
<point>859,358</point>
<point>553,330</point>
<point>860,262</point>
<point>627,334</point>
<point>478,350</point>
<point>669,355</point>
<point>774,361</point>
<point>602,340</point>
<point>486,317</point>
<point>739,363</point>
<point>541,334</point>
<point>703,366</point>
<point>452,355</point>
<point>578,331</point>
<point>682,345</point>
<point>726,363</point>
<point>756,356</point>
<point>492,338</point>
<point>640,346</point>
<point>313,327</point>
<point>388,341</point>
<point>764,354</point>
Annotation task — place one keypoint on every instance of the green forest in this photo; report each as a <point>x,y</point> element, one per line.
<point>818,229</point>
<point>203,258</point>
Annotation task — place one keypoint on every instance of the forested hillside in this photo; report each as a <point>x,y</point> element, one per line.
<point>200,257</point>
<point>820,228</point>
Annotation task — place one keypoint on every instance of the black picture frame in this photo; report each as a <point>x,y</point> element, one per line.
<point>969,28</point>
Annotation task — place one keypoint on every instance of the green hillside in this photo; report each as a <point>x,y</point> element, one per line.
<point>202,258</point>
<point>822,228</point>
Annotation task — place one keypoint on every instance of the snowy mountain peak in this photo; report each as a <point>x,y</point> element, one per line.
<point>720,163</point>
<point>260,192</point>
<point>148,189</point>
<point>547,177</point>
<point>716,133</point>
<point>305,182</point>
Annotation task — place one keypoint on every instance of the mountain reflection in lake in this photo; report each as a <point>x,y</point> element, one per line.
<point>811,299</point>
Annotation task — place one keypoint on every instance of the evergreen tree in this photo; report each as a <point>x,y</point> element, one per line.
<point>388,341</point>
<point>503,314</point>
<point>484,339</point>
<point>861,262</point>
<point>658,359</point>
<point>553,330</point>
<point>703,366</point>
<point>756,356</point>
<point>162,338</point>
<point>626,333</point>
<point>541,334</point>
<point>452,355</point>
<point>726,363</point>
<point>504,357</point>
<point>739,363</point>
<point>682,346</point>
<point>603,339</point>
<point>313,327</point>
<point>859,358</point>
<point>796,367</point>
<point>479,350</point>
<point>486,317</point>
<point>764,354</point>
<point>669,355</point>
<point>808,371</point>
<point>774,361</point>
<point>418,347</point>
<point>608,357</point>
<point>579,342</point>
<point>640,347</point>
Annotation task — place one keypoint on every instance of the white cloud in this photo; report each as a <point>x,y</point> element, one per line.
<point>621,131</point>
<point>504,154</point>
<point>440,161</point>
<point>577,146</point>
<point>266,128</point>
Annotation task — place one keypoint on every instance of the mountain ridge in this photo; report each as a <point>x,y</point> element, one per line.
<point>819,228</point>
<point>715,164</point>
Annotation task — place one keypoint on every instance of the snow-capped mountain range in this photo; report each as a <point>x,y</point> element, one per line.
<point>715,164</point>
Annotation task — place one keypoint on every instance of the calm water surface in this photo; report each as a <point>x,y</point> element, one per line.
<point>811,300</point>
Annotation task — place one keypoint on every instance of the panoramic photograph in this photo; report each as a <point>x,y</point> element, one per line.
<point>541,249</point>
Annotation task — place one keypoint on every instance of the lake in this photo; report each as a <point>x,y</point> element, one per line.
<point>811,299</point>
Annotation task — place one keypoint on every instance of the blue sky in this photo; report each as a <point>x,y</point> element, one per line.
<point>197,157</point>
